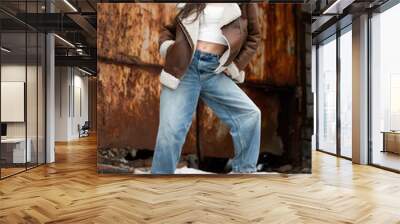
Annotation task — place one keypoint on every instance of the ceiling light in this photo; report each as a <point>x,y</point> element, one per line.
<point>84,71</point>
<point>5,50</point>
<point>337,7</point>
<point>70,5</point>
<point>65,41</point>
<point>79,51</point>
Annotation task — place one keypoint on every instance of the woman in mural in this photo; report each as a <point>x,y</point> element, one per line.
<point>206,48</point>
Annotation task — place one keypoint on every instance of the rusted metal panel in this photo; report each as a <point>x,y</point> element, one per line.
<point>275,62</point>
<point>128,108</point>
<point>128,81</point>
<point>132,29</point>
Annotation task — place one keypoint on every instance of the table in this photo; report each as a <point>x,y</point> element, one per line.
<point>391,141</point>
<point>13,150</point>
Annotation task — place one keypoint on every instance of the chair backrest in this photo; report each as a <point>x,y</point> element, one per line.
<point>86,125</point>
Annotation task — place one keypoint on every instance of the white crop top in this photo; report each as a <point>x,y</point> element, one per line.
<point>209,23</point>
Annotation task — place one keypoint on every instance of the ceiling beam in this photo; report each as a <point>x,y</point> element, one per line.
<point>84,24</point>
<point>337,7</point>
<point>81,61</point>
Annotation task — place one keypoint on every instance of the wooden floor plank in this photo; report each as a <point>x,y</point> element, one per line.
<point>71,191</point>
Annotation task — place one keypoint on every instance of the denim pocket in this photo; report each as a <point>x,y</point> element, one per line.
<point>209,67</point>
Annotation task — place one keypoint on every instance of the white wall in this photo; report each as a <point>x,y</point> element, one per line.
<point>71,94</point>
<point>62,81</point>
<point>12,73</point>
<point>80,110</point>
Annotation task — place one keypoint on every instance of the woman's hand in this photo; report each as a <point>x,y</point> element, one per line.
<point>226,71</point>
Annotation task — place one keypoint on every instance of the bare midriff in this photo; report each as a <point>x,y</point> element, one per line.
<point>210,47</point>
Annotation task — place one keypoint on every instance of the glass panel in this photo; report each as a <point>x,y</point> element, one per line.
<point>13,89</point>
<point>346,94</point>
<point>385,84</point>
<point>32,86</point>
<point>327,97</point>
<point>22,88</point>
<point>314,77</point>
<point>41,98</point>
<point>31,100</point>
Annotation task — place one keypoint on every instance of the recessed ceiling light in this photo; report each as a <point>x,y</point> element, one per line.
<point>5,50</point>
<point>70,5</point>
<point>337,7</point>
<point>65,41</point>
<point>84,71</point>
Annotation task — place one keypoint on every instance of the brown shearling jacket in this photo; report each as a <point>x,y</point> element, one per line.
<point>239,26</point>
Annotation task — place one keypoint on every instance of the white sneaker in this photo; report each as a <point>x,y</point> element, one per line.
<point>253,173</point>
<point>182,170</point>
<point>186,170</point>
<point>141,171</point>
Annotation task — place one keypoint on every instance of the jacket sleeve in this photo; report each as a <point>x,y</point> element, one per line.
<point>167,37</point>
<point>249,47</point>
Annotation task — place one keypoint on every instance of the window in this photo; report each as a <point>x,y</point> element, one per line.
<point>385,88</point>
<point>22,77</point>
<point>346,93</point>
<point>327,96</point>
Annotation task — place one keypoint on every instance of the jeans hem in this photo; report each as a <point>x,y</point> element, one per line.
<point>244,171</point>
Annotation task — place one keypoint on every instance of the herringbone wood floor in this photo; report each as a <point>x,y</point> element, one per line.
<point>70,191</point>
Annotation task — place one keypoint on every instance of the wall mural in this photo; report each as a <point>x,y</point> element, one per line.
<point>278,80</point>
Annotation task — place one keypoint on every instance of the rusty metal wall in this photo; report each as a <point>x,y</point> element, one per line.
<point>128,108</point>
<point>128,85</point>
<point>129,65</point>
<point>276,61</point>
<point>131,29</point>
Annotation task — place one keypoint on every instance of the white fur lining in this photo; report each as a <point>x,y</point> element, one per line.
<point>169,80</point>
<point>164,47</point>
<point>231,12</point>
<point>234,73</point>
<point>180,5</point>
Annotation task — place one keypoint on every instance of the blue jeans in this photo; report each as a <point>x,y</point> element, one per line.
<point>224,97</point>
